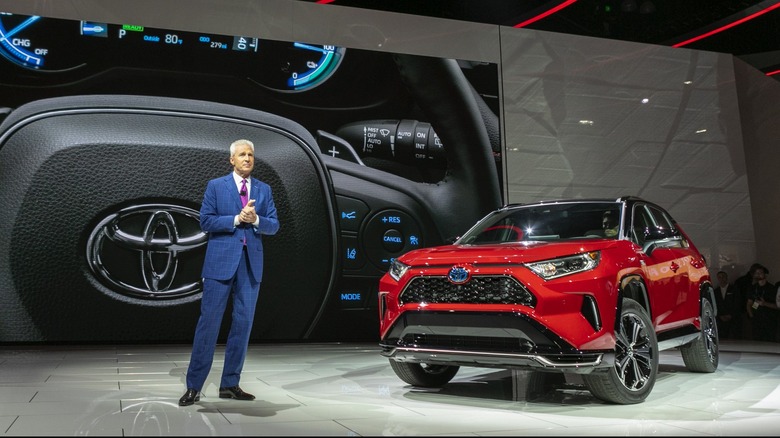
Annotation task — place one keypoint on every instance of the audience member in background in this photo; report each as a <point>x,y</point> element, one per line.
<point>744,285</point>
<point>762,307</point>
<point>729,307</point>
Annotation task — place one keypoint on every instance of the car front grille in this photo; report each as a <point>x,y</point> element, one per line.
<point>480,289</point>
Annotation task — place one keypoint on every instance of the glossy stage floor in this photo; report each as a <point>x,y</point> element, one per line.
<point>350,390</point>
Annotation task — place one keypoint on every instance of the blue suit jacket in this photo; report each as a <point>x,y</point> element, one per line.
<point>221,203</point>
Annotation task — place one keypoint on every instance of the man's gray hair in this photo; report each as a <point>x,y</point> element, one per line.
<point>238,143</point>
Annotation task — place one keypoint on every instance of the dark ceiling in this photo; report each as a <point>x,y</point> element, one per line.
<point>748,29</point>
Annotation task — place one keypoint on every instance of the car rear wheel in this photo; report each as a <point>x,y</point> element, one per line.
<point>424,375</point>
<point>701,355</point>
<point>632,377</point>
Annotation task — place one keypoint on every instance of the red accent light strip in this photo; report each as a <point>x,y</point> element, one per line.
<point>545,13</point>
<point>727,26</point>
<point>324,2</point>
<point>773,72</point>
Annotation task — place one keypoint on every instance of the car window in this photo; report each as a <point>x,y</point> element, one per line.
<point>666,229</point>
<point>651,224</point>
<point>641,223</point>
<point>547,222</point>
<point>662,222</point>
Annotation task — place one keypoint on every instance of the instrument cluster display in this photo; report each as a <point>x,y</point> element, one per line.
<point>56,51</point>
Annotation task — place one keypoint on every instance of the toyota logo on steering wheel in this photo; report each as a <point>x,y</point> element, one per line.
<point>148,252</point>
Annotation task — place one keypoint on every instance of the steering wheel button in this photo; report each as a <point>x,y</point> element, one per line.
<point>388,234</point>
<point>393,240</point>
<point>350,298</point>
<point>351,253</point>
<point>351,212</point>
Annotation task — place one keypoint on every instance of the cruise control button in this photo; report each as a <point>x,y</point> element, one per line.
<point>393,240</point>
<point>388,234</point>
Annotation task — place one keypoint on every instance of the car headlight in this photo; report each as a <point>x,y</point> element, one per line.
<point>397,269</point>
<point>549,269</point>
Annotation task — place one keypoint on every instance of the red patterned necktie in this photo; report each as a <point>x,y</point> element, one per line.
<point>243,193</point>
<point>244,199</point>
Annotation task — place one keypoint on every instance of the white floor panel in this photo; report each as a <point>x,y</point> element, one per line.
<point>350,390</point>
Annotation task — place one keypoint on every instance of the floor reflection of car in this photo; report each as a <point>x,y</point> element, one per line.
<point>545,287</point>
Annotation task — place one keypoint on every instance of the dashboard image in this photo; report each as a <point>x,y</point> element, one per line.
<point>113,130</point>
<point>37,44</point>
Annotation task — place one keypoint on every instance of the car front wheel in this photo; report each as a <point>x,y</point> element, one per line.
<point>632,377</point>
<point>424,375</point>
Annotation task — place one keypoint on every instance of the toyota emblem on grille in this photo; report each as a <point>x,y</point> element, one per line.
<point>459,275</point>
<point>149,253</point>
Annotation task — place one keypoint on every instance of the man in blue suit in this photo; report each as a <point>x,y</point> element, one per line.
<point>237,210</point>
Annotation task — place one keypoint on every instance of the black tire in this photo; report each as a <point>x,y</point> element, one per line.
<point>541,383</point>
<point>632,377</point>
<point>424,375</point>
<point>701,355</point>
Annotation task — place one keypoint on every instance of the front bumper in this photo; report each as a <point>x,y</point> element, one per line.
<point>491,339</point>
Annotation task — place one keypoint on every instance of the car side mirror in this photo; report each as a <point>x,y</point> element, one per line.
<point>654,234</point>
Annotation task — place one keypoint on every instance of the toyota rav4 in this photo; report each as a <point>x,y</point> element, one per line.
<point>594,287</point>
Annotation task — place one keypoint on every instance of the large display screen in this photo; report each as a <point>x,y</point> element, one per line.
<point>110,131</point>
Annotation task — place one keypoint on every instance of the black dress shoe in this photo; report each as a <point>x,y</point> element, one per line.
<point>189,397</point>
<point>236,393</point>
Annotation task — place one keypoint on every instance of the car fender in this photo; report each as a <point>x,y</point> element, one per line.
<point>633,286</point>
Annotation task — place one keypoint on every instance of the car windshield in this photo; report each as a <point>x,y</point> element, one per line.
<point>560,221</point>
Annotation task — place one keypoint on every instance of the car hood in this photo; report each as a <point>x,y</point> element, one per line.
<point>510,253</point>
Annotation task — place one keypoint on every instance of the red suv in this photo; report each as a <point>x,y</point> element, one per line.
<point>594,287</point>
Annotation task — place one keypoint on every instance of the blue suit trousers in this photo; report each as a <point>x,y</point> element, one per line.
<point>216,293</point>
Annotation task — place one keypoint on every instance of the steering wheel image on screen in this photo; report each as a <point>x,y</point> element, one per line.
<point>99,232</point>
